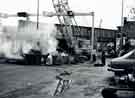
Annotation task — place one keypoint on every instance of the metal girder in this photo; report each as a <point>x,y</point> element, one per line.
<point>51,14</point>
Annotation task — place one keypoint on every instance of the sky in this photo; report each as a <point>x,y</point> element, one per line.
<point>109,11</point>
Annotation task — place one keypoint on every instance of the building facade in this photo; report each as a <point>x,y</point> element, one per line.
<point>129,29</point>
<point>126,33</point>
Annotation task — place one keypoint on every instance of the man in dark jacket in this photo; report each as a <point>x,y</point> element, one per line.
<point>103,59</point>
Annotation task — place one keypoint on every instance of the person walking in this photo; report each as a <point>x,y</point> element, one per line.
<point>103,58</point>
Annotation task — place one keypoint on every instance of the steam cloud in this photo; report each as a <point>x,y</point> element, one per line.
<point>25,37</point>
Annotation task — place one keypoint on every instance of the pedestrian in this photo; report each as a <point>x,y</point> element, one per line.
<point>44,58</point>
<point>94,56</point>
<point>36,53</point>
<point>103,58</point>
<point>49,59</point>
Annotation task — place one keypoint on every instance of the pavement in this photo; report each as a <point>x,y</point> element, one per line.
<point>34,81</point>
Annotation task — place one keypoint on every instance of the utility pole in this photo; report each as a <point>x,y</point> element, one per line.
<point>92,35</point>
<point>37,14</point>
<point>122,24</point>
<point>122,10</point>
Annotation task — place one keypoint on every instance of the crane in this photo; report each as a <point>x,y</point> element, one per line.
<point>62,7</point>
<point>66,18</point>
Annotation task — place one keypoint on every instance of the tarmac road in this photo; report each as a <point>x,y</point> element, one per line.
<point>18,81</point>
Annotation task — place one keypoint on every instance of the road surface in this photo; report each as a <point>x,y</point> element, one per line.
<point>27,81</point>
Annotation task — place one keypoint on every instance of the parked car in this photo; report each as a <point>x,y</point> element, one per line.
<point>124,79</point>
<point>123,64</point>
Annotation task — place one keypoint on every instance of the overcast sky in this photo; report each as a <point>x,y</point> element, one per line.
<point>107,10</point>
